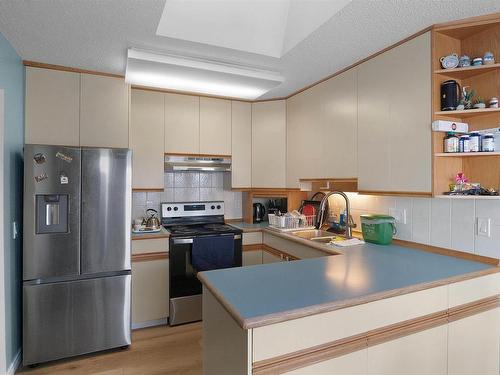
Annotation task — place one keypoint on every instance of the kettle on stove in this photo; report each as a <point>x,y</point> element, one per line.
<point>259,212</point>
<point>152,221</point>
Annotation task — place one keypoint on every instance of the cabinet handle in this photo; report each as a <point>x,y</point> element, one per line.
<point>281,256</point>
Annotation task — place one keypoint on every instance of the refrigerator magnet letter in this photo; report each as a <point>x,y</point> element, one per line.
<point>66,158</point>
<point>64,179</point>
<point>41,177</point>
<point>39,158</point>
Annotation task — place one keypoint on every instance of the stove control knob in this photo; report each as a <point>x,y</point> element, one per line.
<point>176,208</point>
<point>213,207</point>
<point>218,206</point>
<point>169,208</point>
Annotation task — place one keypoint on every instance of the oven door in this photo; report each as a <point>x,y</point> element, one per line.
<point>185,288</point>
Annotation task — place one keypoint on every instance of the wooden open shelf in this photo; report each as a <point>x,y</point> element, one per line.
<point>469,71</point>
<point>468,112</point>
<point>464,154</point>
<point>472,38</point>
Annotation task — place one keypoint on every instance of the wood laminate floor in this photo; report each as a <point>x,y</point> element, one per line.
<point>159,350</point>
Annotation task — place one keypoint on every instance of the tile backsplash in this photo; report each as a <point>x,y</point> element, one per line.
<point>443,222</point>
<point>191,187</point>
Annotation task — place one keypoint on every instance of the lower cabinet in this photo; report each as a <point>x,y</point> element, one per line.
<point>479,337</point>
<point>423,353</point>
<point>150,305</point>
<point>268,257</point>
<point>150,282</point>
<point>349,364</point>
<point>252,257</point>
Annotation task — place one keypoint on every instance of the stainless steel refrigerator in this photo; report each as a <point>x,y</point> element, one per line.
<point>76,255</point>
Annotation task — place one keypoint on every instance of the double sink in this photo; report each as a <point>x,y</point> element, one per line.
<point>316,235</point>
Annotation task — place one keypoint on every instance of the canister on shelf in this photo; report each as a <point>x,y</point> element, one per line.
<point>488,143</point>
<point>464,143</point>
<point>451,143</point>
<point>475,142</point>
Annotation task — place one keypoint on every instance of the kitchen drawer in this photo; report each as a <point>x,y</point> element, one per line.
<point>252,238</point>
<point>474,289</point>
<point>152,245</point>
<point>252,257</point>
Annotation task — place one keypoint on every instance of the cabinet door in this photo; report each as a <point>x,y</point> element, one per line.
<point>150,291</point>
<point>269,144</point>
<point>349,364</point>
<point>215,126</point>
<point>394,133</point>
<point>270,258</point>
<point>104,111</point>
<point>252,257</point>
<point>241,144</point>
<point>52,107</point>
<point>182,124</point>
<point>322,130</point>
<point>422,353</point>
<point>474,344</point>
<point>146,139</point>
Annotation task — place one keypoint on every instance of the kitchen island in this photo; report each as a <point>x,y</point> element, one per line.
<point>365,309</point>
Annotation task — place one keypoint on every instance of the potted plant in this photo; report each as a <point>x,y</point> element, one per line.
<point>479,103</point>
<point>467,98</point>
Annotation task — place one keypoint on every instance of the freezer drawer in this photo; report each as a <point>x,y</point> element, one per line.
<point>75,317</point>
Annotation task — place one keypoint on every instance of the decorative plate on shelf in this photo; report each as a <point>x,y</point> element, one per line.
<point>450,61</point>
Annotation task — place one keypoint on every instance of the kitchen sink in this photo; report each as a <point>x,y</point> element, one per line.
<point>315,235</point>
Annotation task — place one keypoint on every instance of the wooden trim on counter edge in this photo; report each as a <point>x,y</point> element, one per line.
<point>146,257</point>
<point>253,247</point>
<point>396,193</point>
<point>145,190</point>
<point>278,253</point>
<point>150,236</point>
<point>35,64</point>
<point>448,252</point>
<point>260,321</point>
<point>307,357</point>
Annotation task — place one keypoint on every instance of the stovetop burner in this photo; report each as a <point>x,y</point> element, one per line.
<point>201,229</point>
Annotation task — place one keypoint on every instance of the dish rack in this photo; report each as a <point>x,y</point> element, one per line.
<point>290,223</point>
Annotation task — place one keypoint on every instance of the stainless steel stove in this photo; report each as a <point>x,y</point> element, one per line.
<point>199,241</point>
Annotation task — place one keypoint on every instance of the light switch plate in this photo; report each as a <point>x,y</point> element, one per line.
<point>484,226</point>
<point>398,214</point>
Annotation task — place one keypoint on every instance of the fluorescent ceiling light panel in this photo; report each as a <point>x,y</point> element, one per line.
<point>198,76</point>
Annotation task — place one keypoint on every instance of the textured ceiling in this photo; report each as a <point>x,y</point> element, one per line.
<point>95,34</point>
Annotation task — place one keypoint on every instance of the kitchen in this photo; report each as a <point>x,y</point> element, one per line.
<point>187,193</point>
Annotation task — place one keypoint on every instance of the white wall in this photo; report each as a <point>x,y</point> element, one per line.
<point>443,222</point>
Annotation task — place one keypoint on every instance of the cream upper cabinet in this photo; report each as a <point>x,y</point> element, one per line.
<point>52,107</point>
<point>394,132</point>
<point>241,144</point>
<point>147,138</point>
<point>269,144</point>
<point>104,111</point>
<point>322,130</point>
<point>215,126</point>
<point>182,124</point>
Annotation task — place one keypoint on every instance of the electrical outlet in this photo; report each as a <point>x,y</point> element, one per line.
<point>484,227</point>
<point>398,214</point>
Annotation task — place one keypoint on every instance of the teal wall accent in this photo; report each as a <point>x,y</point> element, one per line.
<point>12,81</point>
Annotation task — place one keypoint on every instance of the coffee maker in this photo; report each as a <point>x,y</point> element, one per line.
<point>259,212</point>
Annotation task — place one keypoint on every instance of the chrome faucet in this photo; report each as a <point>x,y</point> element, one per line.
<point>321,212</point>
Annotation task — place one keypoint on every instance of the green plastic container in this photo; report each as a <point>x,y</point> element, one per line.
<point>378,229</point>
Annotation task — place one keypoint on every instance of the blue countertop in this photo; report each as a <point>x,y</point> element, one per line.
<point>249,226</point>
<point>360,273</point>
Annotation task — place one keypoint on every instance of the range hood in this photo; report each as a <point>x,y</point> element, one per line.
<point>197,163</point>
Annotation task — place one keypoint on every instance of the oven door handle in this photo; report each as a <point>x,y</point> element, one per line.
<point>181,241</point>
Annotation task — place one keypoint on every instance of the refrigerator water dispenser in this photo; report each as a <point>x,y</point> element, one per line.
<point>52,213</point>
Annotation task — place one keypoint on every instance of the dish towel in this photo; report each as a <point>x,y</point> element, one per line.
<point>350,242</point>
<point>212,252</point>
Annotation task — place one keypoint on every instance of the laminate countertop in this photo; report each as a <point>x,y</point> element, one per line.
<point>249,227</point>
<point>163,233</point>
<point>269,293</point>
